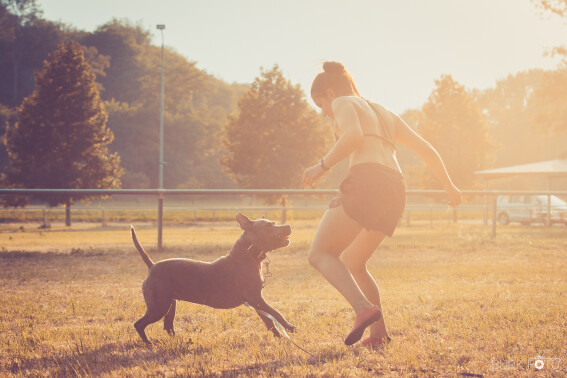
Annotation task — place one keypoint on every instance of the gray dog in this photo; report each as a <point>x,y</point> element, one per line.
<point>226,282</point>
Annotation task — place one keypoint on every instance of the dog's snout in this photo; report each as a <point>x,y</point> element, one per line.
<point>286,228</point>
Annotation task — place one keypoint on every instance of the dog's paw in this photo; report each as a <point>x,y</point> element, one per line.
<point>290,328</point>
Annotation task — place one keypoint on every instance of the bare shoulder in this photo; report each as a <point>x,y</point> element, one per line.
<point>343,102</point>
<point>383,109</point>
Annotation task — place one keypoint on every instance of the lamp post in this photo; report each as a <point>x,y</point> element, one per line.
<point>161,162</point>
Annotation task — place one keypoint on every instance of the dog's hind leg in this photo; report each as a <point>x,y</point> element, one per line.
<point>168,319</point>
<point>154,312</point>
<point>269,324</point>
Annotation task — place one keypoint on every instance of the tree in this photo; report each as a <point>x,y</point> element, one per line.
<point>195,110</point>
<point>550,100</point>
<point>558,7</point>
<point>517,109</point>
<point>61,137</point>
<point>453,123</point>
<point>127,68</point>
<point>552,95</point>
<point>25,41</point>
<point>275,136</point>
<point>7,115</point>
<point>124,44</point>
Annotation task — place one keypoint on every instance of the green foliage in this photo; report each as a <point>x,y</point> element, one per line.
<point>8,116</point>
<point>551,97</point>
<point>61,138</point>
<point>275,136</point>
<point>25,41</point>
<point>550,102</point>
<point>123,43</point>
<point>127,69</point>
<point>559,7</point>
<point>453,123</point>
<point>521,109</point>
<point>196,105</point>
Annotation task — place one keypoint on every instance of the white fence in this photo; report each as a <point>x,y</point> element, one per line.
<point>488,201</point>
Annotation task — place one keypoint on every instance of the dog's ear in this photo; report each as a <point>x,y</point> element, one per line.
<point>243,221</point>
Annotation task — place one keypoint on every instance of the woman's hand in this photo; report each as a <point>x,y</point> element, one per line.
<point>312,174</point>
<point>454,194</point>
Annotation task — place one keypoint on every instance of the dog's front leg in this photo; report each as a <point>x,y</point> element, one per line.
<point>269,324</point>
<point>260,304</point>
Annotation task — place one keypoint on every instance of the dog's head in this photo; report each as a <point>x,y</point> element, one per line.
<point>263,233</point>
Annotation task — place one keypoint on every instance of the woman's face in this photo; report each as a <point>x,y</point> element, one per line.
<point>325,103</point>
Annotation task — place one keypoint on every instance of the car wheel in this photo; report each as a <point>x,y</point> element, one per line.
<point>503,219</point>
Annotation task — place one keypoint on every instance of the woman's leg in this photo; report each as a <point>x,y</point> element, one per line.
<point>355,257</point>
<point>335,232</point>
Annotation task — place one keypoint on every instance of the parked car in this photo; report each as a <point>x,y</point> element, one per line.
<point>530,209</point>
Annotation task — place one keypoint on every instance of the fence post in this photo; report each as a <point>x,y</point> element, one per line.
<point>485,207</point>
<point>549,219</point>
<point>160,221</point>
<point>283,203</point>
<point>44,220</point>
<point>102,217</point>
<point>494,215</point>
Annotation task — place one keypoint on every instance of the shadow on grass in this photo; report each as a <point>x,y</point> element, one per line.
<point>106,358</point>
<point>42,256</point>
<point>270,367</point>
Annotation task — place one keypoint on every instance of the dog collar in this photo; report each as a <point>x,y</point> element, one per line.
<point>257,252</point>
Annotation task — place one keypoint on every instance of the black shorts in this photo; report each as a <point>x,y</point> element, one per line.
<point>373,195</point>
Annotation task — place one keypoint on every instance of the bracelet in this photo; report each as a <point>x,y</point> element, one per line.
<point>322,164</point>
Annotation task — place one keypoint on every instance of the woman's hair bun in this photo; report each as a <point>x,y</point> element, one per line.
<point>333,67</point>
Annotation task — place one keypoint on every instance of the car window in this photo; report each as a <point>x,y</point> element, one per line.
<point>556,201</point>
<point>516,199</point>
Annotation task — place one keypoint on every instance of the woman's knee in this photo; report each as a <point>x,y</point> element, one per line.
<point>314,258</point>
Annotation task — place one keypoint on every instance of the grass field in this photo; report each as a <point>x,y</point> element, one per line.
<point>456,302</point>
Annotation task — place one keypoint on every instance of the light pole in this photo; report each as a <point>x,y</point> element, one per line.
<point>161,27</point>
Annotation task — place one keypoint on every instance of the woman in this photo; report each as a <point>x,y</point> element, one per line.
<point>372,196</point>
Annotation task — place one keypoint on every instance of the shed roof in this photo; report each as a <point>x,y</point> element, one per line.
<point>550,168</point>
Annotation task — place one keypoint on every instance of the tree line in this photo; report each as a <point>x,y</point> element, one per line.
<point>261,135</point>
<point>127,74</point>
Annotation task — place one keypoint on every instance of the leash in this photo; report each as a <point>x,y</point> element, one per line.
<point>279,327</point>
<point>263,255</point>
<point>265,260</point>
<point>267,273</point>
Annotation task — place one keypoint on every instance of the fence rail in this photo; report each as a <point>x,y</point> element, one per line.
<point>490,197</point>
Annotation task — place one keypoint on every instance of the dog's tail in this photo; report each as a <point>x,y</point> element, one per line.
<point>143,253</point>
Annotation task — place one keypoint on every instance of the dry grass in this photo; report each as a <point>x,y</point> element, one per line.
<point>456,302</point>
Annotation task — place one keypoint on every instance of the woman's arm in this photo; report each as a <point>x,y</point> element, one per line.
<point>406,136</point>
<point>350,137</point>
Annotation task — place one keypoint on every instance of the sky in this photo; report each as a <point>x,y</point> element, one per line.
<point>394,49</point>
